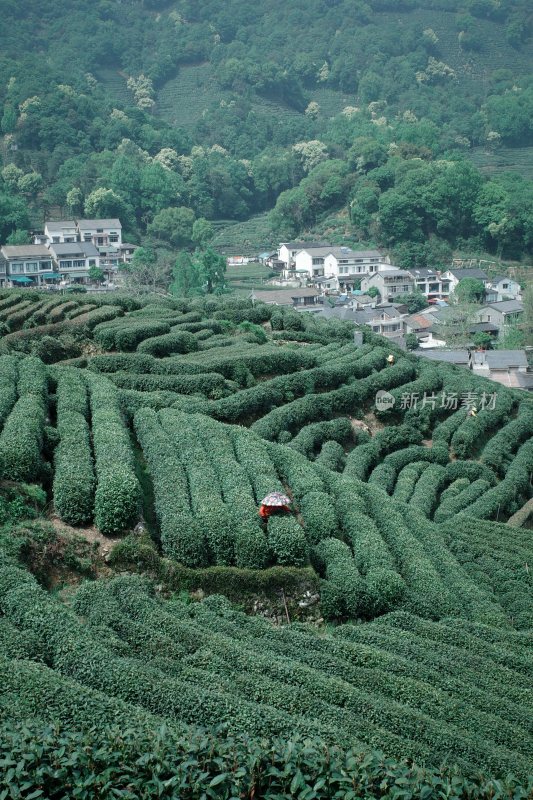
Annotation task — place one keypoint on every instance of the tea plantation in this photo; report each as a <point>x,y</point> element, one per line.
<point>184,414</point>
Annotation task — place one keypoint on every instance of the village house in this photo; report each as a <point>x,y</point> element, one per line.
<point>453,276</point>
<point>74,259</point>
<point>508,367</point>
<point>288,250</point>
<point>502,314</point>
<point>26,265</point>
<point>502,288</point>
<point>346,265</point>
<point>287,297</point>
<point>389,283</point>
<point>431,283</point>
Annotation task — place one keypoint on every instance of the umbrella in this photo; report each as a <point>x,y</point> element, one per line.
<point>275,499</point>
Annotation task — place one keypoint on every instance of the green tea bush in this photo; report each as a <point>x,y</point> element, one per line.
<point>332,456</point>
<point>182,384</point>
<point>498,451</point>
<point>8,386</point>
<point>287,541</point>
<point>342,592</point>
<point>461,501</point>
<point>515,486</point>
<point>74,482</point>
<point>117,498</point>
<point>311,437</point>
<point>467,437</point>
<point>319,516</point>
<point>159,346</point>
<point>21,441</point>
<point>407,480</point>
<point>128,336</point>
<point>181,537</point>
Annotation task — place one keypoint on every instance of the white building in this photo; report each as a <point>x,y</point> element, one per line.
<point>74,259</point>
<point>502,288</point>
<point>25,265</point>
<point>101,232</point>
<point>58,232</point>
<point>389,283</point>
<point>431,283</point>
<point>342,263</point>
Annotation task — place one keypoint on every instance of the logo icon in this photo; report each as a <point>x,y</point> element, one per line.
<point>384,400</point>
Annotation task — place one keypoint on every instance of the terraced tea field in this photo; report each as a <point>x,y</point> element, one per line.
<point>397,507</point>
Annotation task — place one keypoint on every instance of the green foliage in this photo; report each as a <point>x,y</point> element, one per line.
<point>287,541</point>
<point>117,497</point>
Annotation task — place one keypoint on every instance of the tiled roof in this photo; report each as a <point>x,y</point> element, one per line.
<point>98,223</point>
<point>24,250</point>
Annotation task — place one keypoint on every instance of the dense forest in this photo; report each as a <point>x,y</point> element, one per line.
<point>166,114</point>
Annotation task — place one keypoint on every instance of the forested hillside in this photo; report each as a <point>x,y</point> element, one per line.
<point>167,113</point>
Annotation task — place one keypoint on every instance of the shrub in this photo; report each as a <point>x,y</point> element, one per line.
<point>319,516</point>
<point>332,456</point>
<point>8,386</point>
<point>287,541</point>
<point>116,500</point>
<point>179,342</point>
<point>74,481</point>
<point>21,441</point>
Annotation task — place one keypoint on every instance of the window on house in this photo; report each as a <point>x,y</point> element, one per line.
<point>31,266</point>
<point>45,265</point>
<point>56,239</point>
<point>505,285</point>
<point>65,264</point>
<point>69,239</point>
<point>113,236</point>
<point>358,260</point>
<point>16,269</point>
<point>92,262</point>
<point>316,261</point>
<point>405,287</point>
<point>99,230</point>
<point>79,263</point>
<point>87,237</point>
<point>374,260</point>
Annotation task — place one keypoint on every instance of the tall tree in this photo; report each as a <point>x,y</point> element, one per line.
<point>186,278</point>
<point>212,268</point>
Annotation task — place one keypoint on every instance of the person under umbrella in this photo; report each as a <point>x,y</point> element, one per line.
<point>273,503</point>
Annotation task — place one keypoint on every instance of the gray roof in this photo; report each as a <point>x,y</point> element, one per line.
<point>304,245</point>
<point>506,306</point>
<point>423,272</point>
<point>59,225</point>
<point>506,359</point>
<point>480,274</point>
<point>283,296</point>
<point>87,249</point>
<point>339,312</point>
<point>449,356</point>
<point>525,379</point>
<point>25,251</point>
<point>87,224</point>
<point>402,273</point>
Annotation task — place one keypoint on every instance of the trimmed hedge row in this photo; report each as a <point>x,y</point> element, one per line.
<point>74,481</point>
<point>384,588</point>
<point>365,456</point>
<point>311,437</point>
<point>514,488</point>
<point>461,501</point>
<point>498,452</point>
<point>21,441</point>
<point>181,537</point>
<point>117,499</point>
<point>340,594</point>
<point>251,549</point>
<point>282,389</point>
<point>159,346</point>
<point>407,479</point>
<point>128,335</point>
<point>211,515</point>
<point>466,438</point>
<point>207,383</point>
<point>287,541</point>
<point>8,386</point>
<point>332,456</point>
<point>346,399</point>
